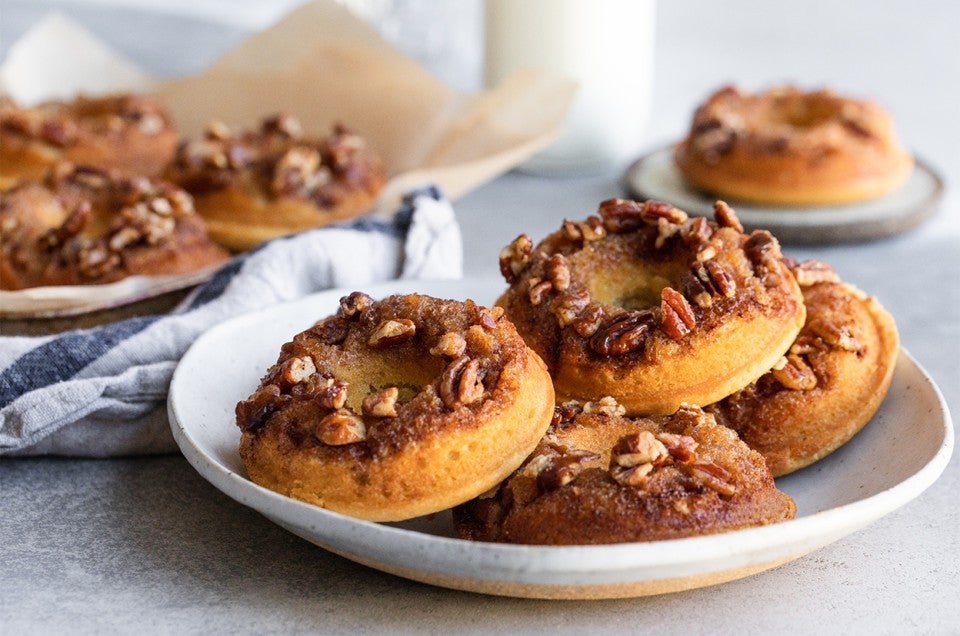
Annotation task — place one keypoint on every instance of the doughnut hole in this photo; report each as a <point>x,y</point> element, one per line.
<point>404,367</point>
<point>633,286</point>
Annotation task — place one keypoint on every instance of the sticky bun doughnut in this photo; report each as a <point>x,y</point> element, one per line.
<point>651,307</point>
<point>599,477</point>
<point>397,408</point>
<point>256,185</point>
<point>829,384</point>
<point>126,132</point>
<point>785,146</point>
<point>83,225</point>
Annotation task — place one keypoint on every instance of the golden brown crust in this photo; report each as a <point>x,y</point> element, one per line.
<point>255,186</point>
<point>598,477</point>
<point>125,132</point>
<point>788,147</point>
<point>651,307</point>
<point>85,226</point>
<point>827,388</point>
<point>398,408</point>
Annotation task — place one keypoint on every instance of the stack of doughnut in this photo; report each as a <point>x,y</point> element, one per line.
<point>643,377</point>
<point>785,146</point>
<point>96,189</point>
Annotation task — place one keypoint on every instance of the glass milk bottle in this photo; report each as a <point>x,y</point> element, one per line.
<point>606,46</point>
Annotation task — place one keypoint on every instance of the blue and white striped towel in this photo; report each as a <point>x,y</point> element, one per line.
<point>101,392</point>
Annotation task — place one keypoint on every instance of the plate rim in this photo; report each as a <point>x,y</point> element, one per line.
<point>814,233</point>
<point>559,561</point>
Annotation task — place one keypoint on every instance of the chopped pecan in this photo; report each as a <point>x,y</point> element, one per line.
<point>341,427</point>
<point>330,331</point>
<point>806,344</point>
<point>794,373</point>
<point>461,382</point>
<point>557,475</point>
<point>282,124</point>
<point>621,215</point>
<point>564,413</point>
<point>74,223</point>
<point>677,319</point>
<point>567,307</point>
<point>762,248</point>
<point>633,476</point>
<point>216,130</point>
<point>514,257</point>
<point>355,303</point>
<point>383,403</point>
<point>487,317</point>
<point>589,320</point>
<point>450,345</point>
<point>837,336</point>
<point>392,332</point>
<point>625,333</point>
<point>254,412</point>
<point>726,217</point>
<point>59,132</point>
<point>333,394</point>
<point>639,448</point>
<point>96,260</point>
<point>720,278</point>
<point>712,476</point>
<point>539,290</point>
<point>591,229</point>
<point>297,172</point>
<point>558,272</point>
<point>606,405</point>
<point>812,272</point>
<point>653,211</point>
<point>297,369</point>
<point>697,232</point>
<point>682,448</point>
<point>665,230</point>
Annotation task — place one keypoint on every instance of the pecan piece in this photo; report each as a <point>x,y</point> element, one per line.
<point>837,336</point>
<point>634,476</point>
<point>461,382</point>
<point>625,333</point>
<point>589,320</point>
<point>392,332</point>
<point>71,226</point>
<point>712,476</point>
<point>639,448</point>
<point>341,427</point>
<point>726,217</point>
<point>682,448</point>
<point>558,272</point>
<point>794,373</point>
<point>330,331</point>
<point>591,229</point>
<point>450,345</point>
<point>677,317</point>
<point>296,370</point>
<point>564,413</point>
<point>254,412</point>
<point>382,403</point>
<point>720,278</point>
<point>697,232</point>
<point>514,257</point>
<point>621,215</point>
<point>333,394</point>
<point>812,272</point>
<point>653,211</point>
<point>606,405</point>
<point>762,248</point>
<point>354,304</point>
<point>569,306</point>
<point>539,290</point>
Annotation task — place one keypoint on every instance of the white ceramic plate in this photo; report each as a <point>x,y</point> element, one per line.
<point>899,454</point>
<point>655,176</point>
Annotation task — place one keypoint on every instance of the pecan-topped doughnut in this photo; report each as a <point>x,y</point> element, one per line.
<point>600,477</point>
<point>132,133</point>
<point>257,185</point>
<point>398,408</point>
<point>651,307</point>
<point>84,226</point>
<point>789,147</point>
<point>829,384</point>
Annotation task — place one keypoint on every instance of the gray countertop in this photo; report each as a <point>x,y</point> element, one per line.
<point>146,544</point>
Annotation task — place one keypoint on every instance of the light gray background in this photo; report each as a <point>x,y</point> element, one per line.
<point>146,544</point>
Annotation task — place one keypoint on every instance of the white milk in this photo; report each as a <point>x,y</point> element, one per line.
<point>606,46</point>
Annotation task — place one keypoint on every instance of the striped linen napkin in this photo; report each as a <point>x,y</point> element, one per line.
<point>101,392</point>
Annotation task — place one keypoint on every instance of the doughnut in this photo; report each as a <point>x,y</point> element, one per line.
<point>828,386</point>
<point>255,186</point>
<point>396,408</point>
<point>789,147</point>
<point>82,225</point>
<point>132,133</point>
<point>651,307</point>
<point>600,477</point>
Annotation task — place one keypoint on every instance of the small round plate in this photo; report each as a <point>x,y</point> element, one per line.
<point>655,176</point>
<point>893,459</point>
